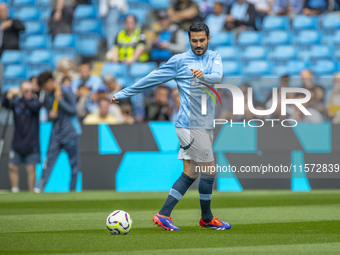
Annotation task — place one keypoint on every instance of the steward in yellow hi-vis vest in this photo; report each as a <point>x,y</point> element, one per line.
<point>130,44</point>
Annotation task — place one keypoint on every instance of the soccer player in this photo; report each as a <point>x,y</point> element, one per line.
<point>195,71</point>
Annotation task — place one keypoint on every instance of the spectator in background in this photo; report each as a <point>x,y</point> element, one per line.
<point>86,78</point>
<point>247,113</point>
<point>168,41</point>
<point>61,18</point>
<point>61,106</point>
<point>130,44</point>
<point>216,20</point>
<point>127,111</point>
<point>184,13</point>
<point>307,78</point>
<point>65,67</point>
<point>114,110</point>
<point>83,98</point>
<point>9,30</point>
<point>288,7</point>
<point>241,16</point>
<point>158,108</point>
<point>284,83</point>
<point>315,107</point>
<point>34,81</point>
<point>66,81</point>
<point>262,7</point>
<point>112,85</point>
<point>314,7</point>
<point>109,11</point>
<point>333,102</point>
<point>102,116</point>
<point>25,147</point>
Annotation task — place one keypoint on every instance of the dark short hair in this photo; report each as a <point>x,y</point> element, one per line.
<point>85,62</point>
<point>134,17</point>
<point>198,27</point>
<point>285,76</point>
<point>44,77</point>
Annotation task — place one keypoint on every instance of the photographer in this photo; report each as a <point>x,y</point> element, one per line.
<point>25,147</point>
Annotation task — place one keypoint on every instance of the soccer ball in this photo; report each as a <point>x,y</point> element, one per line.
<point>119,223</point>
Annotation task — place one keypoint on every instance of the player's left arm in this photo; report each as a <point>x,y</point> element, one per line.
<point>216,74</point>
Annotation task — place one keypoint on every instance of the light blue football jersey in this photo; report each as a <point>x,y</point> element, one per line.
<point>190,89</point>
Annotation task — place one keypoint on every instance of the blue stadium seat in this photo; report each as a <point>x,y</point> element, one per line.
<point>258,68</point>
<point>85,12</point>
<point>26,13</point>
<point>278,37</point>
<point>10,57</point>
<point>87,26</point>
<point>228,52</point>
<point>231,68</point>
<point>142,69</point>
<point>318,52</point>
<point>322,67</point>
<point>275,23</point>
<point>303,22</point>
<point>43,3</point>
<point>337,54</point>
<point>63,53</point>
<point>330,22</point>
<point>10,83</point>
<point>62,41</point>
<point>248,38</point>
<point>140,13</point>
<point>15,72</point>
<point>336,38</point>
<point>39,57</point>
<point>34,27</point>
<point>37,42</point>
<point>87,45</point>
<point>45,14</point>
<point>35,70</point>
<point>157,5</point>
<point>22,2</point>
<point>222,39</point>
<point>308,37</point>
<point>116,69</point>
<point>284,53</point>
<point>293,67</point>
<point>254,53</point>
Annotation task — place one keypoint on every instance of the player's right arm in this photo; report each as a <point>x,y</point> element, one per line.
<point>163,74</point>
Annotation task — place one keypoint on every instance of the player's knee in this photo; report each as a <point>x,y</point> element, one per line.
<point>12,167</point>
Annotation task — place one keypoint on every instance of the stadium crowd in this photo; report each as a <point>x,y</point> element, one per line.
<point>162,36</point>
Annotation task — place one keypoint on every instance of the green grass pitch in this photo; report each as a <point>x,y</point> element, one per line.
<point>263,222</point>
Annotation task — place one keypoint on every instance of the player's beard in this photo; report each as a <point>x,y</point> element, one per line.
<point>202,51</point>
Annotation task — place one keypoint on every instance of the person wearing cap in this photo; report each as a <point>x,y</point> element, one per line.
<point>170,40</point>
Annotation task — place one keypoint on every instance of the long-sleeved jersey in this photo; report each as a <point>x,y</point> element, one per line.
<point>190,88</point>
